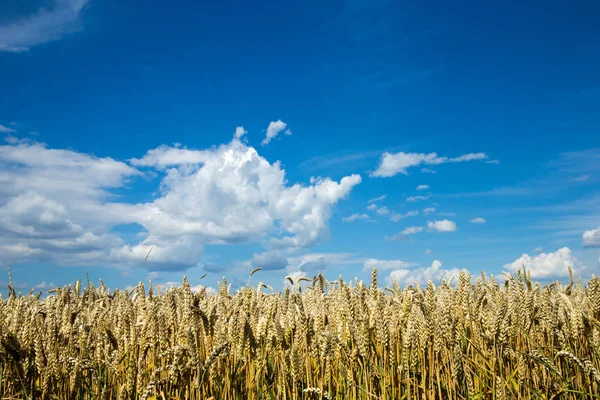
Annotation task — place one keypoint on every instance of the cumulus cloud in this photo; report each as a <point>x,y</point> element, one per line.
<point>357,217</point>
<point>550,265</point>
<point>392,164</point>
<point>422,187</point>
<point>442,226</point>
<point>54,204</point>
<point>46,24</point>
<point>591,238</point>
<point>274,129</point>
<point>434,273</point>
<point>6,129</point>
<point>57,205</point>
<point>477,220</point>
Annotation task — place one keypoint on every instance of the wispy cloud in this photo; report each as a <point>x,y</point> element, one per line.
<point>6,129</point>
<point>422,187</point>
<point>395,217</point>
<point>45,25</point>
<point>383,210</point>
<point>411,230</point>
<point>429,210</point>
<point>413,199</point>
<point>477,220</point>
<point>405,233</point>
<point>386,264</point>
<point>357,217</point>
<point>392,164</point>
<point>382,197</point>
<point>581,178</point>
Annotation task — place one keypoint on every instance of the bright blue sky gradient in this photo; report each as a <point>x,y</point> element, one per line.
<point>351,80</point>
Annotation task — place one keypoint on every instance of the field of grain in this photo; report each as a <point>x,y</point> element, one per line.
<point>468,339</point>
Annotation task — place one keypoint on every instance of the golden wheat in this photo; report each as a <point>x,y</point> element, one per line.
<point>328,339</point>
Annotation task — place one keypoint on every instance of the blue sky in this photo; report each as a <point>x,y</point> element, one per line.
<point>418,137</point>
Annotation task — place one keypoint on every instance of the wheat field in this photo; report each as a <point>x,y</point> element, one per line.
<point>468,339</point>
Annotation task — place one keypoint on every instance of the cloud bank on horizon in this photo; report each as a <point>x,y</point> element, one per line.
<point>58,206</point>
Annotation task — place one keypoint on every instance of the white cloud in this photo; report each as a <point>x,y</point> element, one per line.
<point>381,265</point>
<point>538,250</point>
<point>392,164</point>
<point>383,210</point>
<point>274,129</point>
<point>45,25</point>
<point>411,230</point>
<point>57,205</point>
<point>382,197</point>
<point>413,199</point>
<point>237,196</point>
<point>469,157</point>
<point>422,187</point>
<point>239,132</point>
<point>357,217</point>
<point>54,204</point>
<point>435,273</point>
<point>492,162</point>
<point>428,171</point>
<point>551,265</point>
<point>6,129</point>
<point>270,260</point>
<point>395,217</point>
<point>591,238</point>
<point>428,251</point>
<point>442,226</point>
<point>477,220</point>
<point>44,286</point>
<point>428,210</point>
<point>372,207</point>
